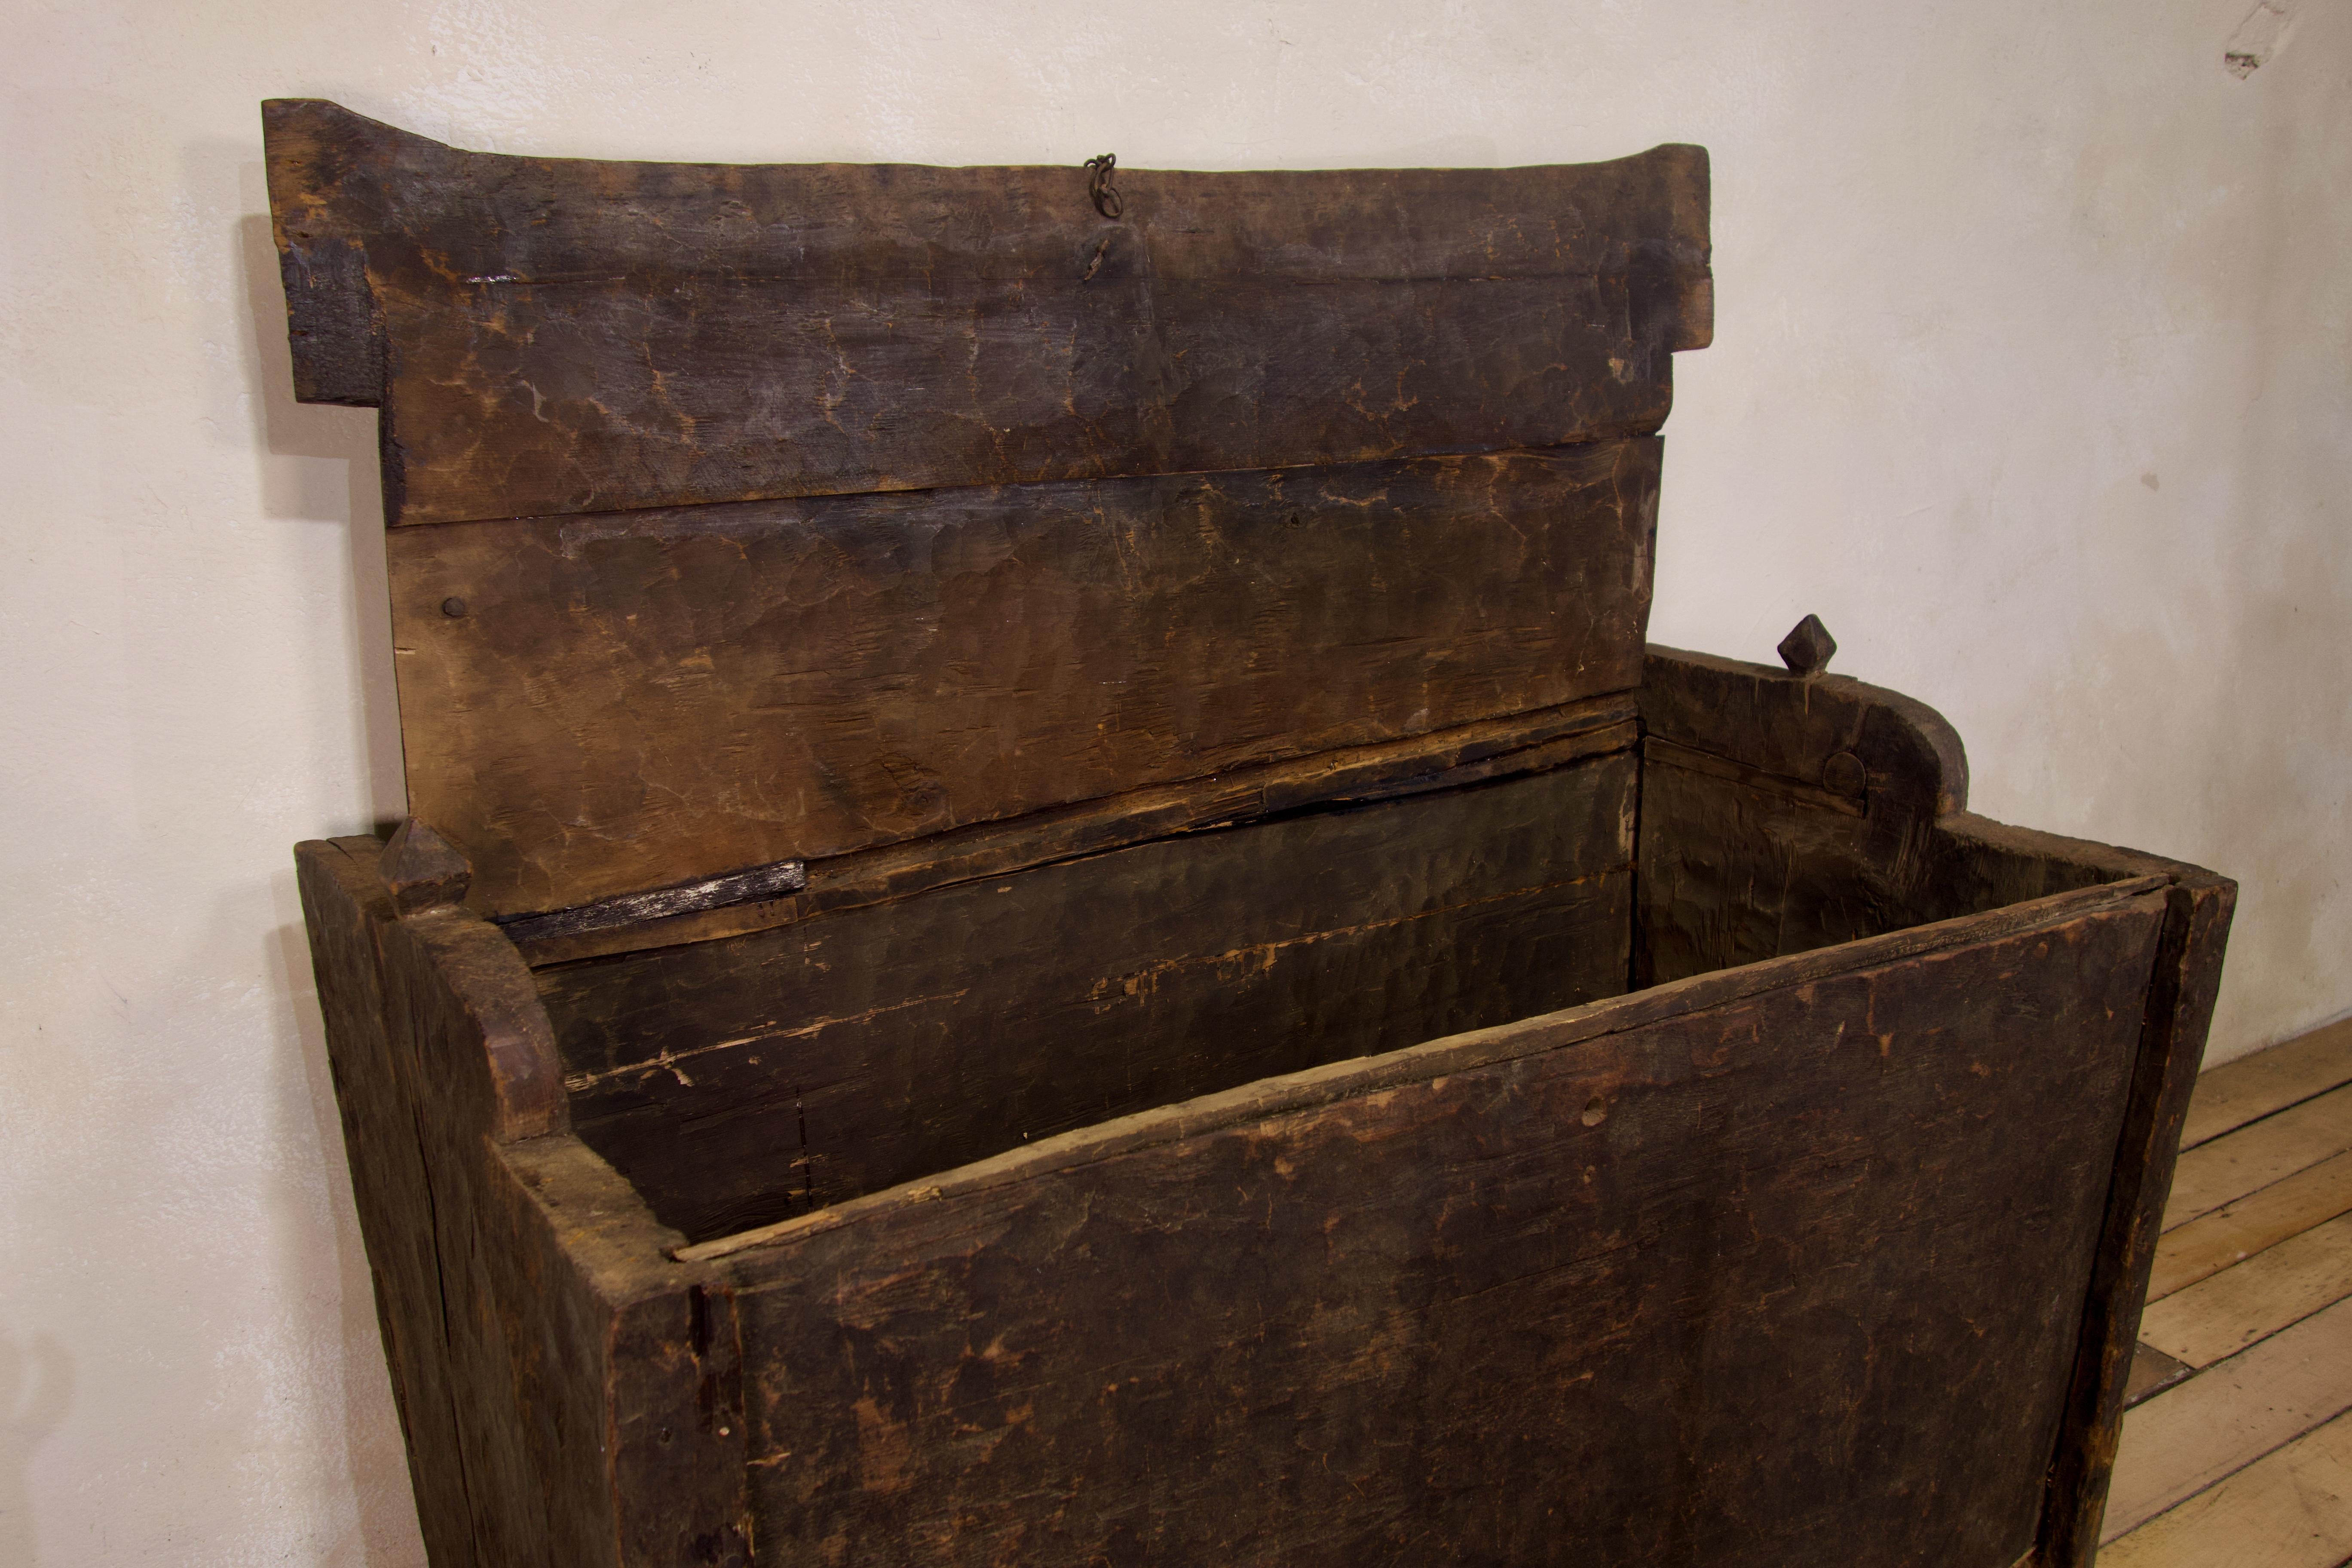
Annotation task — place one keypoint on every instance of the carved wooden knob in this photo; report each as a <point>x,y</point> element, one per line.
<point>423,870</point>
<point>1806,649</point>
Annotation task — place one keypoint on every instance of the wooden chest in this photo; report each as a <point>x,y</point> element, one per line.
<point>1055,916</point>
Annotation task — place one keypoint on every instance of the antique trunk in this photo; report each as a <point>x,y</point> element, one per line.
<point>1054,914</point>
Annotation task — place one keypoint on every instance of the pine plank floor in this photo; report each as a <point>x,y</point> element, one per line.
<point>2237,1444</point>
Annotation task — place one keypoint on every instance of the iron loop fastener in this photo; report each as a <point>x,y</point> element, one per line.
<point>1098,186</point>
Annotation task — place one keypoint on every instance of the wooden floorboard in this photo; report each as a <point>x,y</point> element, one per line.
<point>2237,1446</point>
<point>2291,1509</point>
<point>2254,1087</point>
<point>2232,1234</point>
<point>2261,1152</point>
<point>2230,1414</point>
<point>2216,1318</point>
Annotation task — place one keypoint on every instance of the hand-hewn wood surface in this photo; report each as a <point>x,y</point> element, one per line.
<point>1485,752</point>
<point>1797,1279</point>
<point>1749,853</point>
<point>739,1082</point>
<point>628,701</point>
<point>533,1326</point>
<point>1235,518</point>
<point>552,335</point>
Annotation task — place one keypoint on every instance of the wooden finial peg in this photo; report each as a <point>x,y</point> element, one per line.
<point>1806,649</point>
<point>423,870</point>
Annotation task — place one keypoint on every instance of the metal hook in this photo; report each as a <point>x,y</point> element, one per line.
<point>1098,188</point>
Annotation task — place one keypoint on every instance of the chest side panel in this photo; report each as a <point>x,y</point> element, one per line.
<point>1798,1278</point>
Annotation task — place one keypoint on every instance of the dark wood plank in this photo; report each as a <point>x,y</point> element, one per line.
<point>628,702</point>
<point>561,1407</point>
<point>512,401</point>
<point>1447,759</point>
<point>1659,1298</point>
<point>2177,1012</point>
<point>737,1082</point>
<point>559,336</point>
<point>1749,853</point>
<point>1794,727</point>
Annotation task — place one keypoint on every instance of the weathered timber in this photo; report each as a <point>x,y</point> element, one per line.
<point>1662,1298</point>
<point>636,911</point>
<point>739,1082</point>
<point>1070,790</point>
<point>538,1337</point>
<point>1447,759</point>
<point>630,700</point>
<point>1782,813</point>
<point>552,335</point>
<point>2178,1010</point>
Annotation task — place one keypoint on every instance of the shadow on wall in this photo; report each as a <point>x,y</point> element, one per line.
<point>319,469</point>
<point>376,1446</point>
<point>36,1390</point>
<point>337,486</point>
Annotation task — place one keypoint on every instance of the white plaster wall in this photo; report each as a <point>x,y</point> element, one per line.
<point>2030,377</point>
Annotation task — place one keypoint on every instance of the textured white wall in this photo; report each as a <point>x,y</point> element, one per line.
<point>2030,377</point>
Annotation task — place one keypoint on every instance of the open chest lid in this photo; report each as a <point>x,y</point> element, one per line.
<point>742,516</point>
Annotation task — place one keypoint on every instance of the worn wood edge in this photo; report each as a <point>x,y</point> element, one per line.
<point>1486,751</point>
<point>2109,860</point>
<point>569,1287</point>
<point>670,1390</point>
<point>2183,984</point>
<point>1657,749</point>
<point>1910,733</point>
<point>340,183</point>
<point>523,1069</point>
<point>662,903</point>
<point>1435,1059</point>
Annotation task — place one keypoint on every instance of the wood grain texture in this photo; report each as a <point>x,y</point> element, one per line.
<point>551,335</point>
<point>2176,1012</point>
<point>2227,1168</point>
<point>742,1082</point>
<point>1490,750</point>
<point>498,1291</point>
<point>2228,1416</point>
<point>1746,854</point>
<point>559,1406</point>
<point>2222,1315</point>
<point>630,701</point>
<point>2291,1509</point>
<point>2214,1241</point>
<point>2254,1087</point>
<point>1656,1299</point>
